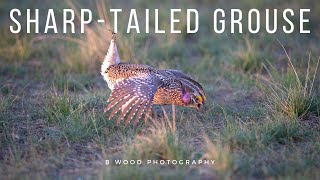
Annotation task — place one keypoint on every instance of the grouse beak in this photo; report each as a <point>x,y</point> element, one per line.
<point>199,106</point>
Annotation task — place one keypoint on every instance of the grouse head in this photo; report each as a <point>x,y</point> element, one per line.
<point>193,99</point>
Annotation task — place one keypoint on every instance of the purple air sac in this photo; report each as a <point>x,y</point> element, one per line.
<point>186,98</point>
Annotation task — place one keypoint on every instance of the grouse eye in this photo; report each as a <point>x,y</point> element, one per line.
<point>199,99</point>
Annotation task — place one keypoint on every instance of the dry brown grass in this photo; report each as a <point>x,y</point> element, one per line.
<point>221,154</point>
<point>158,141</point>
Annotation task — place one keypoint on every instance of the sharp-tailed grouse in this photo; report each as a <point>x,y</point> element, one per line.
<point>135,87</point>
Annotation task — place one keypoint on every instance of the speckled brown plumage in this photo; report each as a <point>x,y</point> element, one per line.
<point>135,88</point>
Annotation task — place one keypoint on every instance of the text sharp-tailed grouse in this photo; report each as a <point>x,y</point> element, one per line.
<point>135,87</point>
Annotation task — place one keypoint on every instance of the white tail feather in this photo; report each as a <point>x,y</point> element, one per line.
<point>112,56</point>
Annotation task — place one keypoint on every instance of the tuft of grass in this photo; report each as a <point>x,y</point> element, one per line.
<point>240,136</point>
<point>222,155</point>
<point>7,99</point>
<point>292,162</point>
<point>157,144</point>
<point>282,131</point>
<point>253,136</point>
<point>75,120</point>
<point>159,141</point>
<point>289,95</point>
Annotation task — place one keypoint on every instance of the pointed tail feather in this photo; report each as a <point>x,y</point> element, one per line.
<point>112,56</point>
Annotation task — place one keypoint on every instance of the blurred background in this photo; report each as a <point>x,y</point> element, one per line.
<point>78,53</point>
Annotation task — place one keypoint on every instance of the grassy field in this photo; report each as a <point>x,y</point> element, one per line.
<point>261,119</point>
